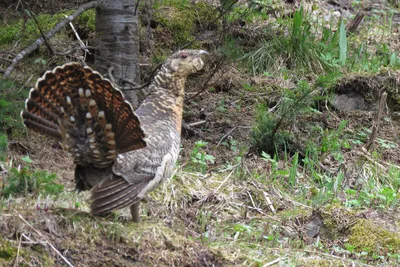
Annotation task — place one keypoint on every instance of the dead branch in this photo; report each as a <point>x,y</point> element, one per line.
<point>78,37</point>
<point>46,42</point>
<point>8,53</point>
<point>356,22</point>
<point>28,50</point>
<point>68,52</point>
<point>197,123</point>
<point>143,85</point>
<point>199,133</point>
<point>45,238</point>
<point>229,132</point>
<point>110,74</point>
<point>6,60</point>
<point>377,121</point>
<point>217,67</point>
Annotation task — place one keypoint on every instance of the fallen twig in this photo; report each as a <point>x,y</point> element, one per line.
<point>356,22</point>
<point>68,52</point>
<point>6,60</point>
<point>197,123</point>
<point>19,248</point>
<point>46,42</point>
<point>44,237</point>
<point>223,182</point>
<point>78,37</point>
<point>377,121</point>
<point>269,202</point>
<point>273,262</point>
<point>257,209</point>
<point>229,132</point>
<point>188,128</point>
<point>8,53</point>
<point>208,79</point>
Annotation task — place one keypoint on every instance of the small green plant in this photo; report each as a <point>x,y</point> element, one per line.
<point>221,107</point>
<point>293,169</point>
<point>231,144</point>
<point>41,61</point>
<point>270,131</point>
<point>3,147</point>
<point>24,181</point>
<point>203,219</point>
<point>199,159</point>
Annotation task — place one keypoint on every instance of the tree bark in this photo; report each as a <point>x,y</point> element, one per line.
<point>117,38</point>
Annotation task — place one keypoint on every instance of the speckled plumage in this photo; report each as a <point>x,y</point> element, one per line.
<point>122,155</point>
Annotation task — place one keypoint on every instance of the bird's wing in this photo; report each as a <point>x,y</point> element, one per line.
<point>135,173</point>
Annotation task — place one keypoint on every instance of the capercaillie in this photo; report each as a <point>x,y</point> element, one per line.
<point>120,154</point>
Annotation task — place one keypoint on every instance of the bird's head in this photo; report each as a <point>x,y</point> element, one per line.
<point>185,62</point>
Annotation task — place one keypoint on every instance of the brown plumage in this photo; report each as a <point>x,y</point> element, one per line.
<point>121,155</point>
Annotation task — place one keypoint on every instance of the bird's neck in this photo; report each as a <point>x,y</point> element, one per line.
<point>164,101</point>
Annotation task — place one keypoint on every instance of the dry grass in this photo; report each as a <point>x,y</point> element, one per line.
<point>216,219</point>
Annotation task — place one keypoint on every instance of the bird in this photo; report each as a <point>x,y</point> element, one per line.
<point>120,154</point>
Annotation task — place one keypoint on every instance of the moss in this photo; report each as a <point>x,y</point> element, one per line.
<point>368,237</point>
<point>320,263</point>
<point>9,33</point>
<point>29,30</point>
<point>337,220</point>
<point>160,55</point>
<point>392,88</point>
<point>7,251</point>
<point>182,21</point>
<point>88,19</point>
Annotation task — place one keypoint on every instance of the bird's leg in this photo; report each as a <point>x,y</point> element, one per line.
<point>135,212</point>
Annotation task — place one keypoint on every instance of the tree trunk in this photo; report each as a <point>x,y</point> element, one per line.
<point>117,38</point>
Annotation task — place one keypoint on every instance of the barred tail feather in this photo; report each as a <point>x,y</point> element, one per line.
<point>115,193</point>
<point>81,109</point>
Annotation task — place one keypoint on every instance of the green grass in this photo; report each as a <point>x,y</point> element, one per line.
<point>11,103</point>
<point>298,49</point>
<point>303,46</point>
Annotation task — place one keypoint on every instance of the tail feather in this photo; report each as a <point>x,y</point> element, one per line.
<point>42,107</point>
<point>30,117</point>
<point>115,193</point>
<point>42,129</point>
<point>90,117</point>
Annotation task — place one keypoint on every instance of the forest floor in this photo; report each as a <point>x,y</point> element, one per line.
<point>322,197</point>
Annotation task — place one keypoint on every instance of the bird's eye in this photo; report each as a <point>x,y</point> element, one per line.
<point>184,55</point>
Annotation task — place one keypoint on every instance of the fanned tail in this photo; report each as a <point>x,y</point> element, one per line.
<point>81,109</point>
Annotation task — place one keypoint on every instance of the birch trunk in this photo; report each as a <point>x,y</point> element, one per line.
<point>117,38</point>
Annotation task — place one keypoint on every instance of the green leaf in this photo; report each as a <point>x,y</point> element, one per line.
<point>27,159</point>
<point>393,59</point>
<point>200,144</point>
<point>293,170</point>
<point>342,44</point>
